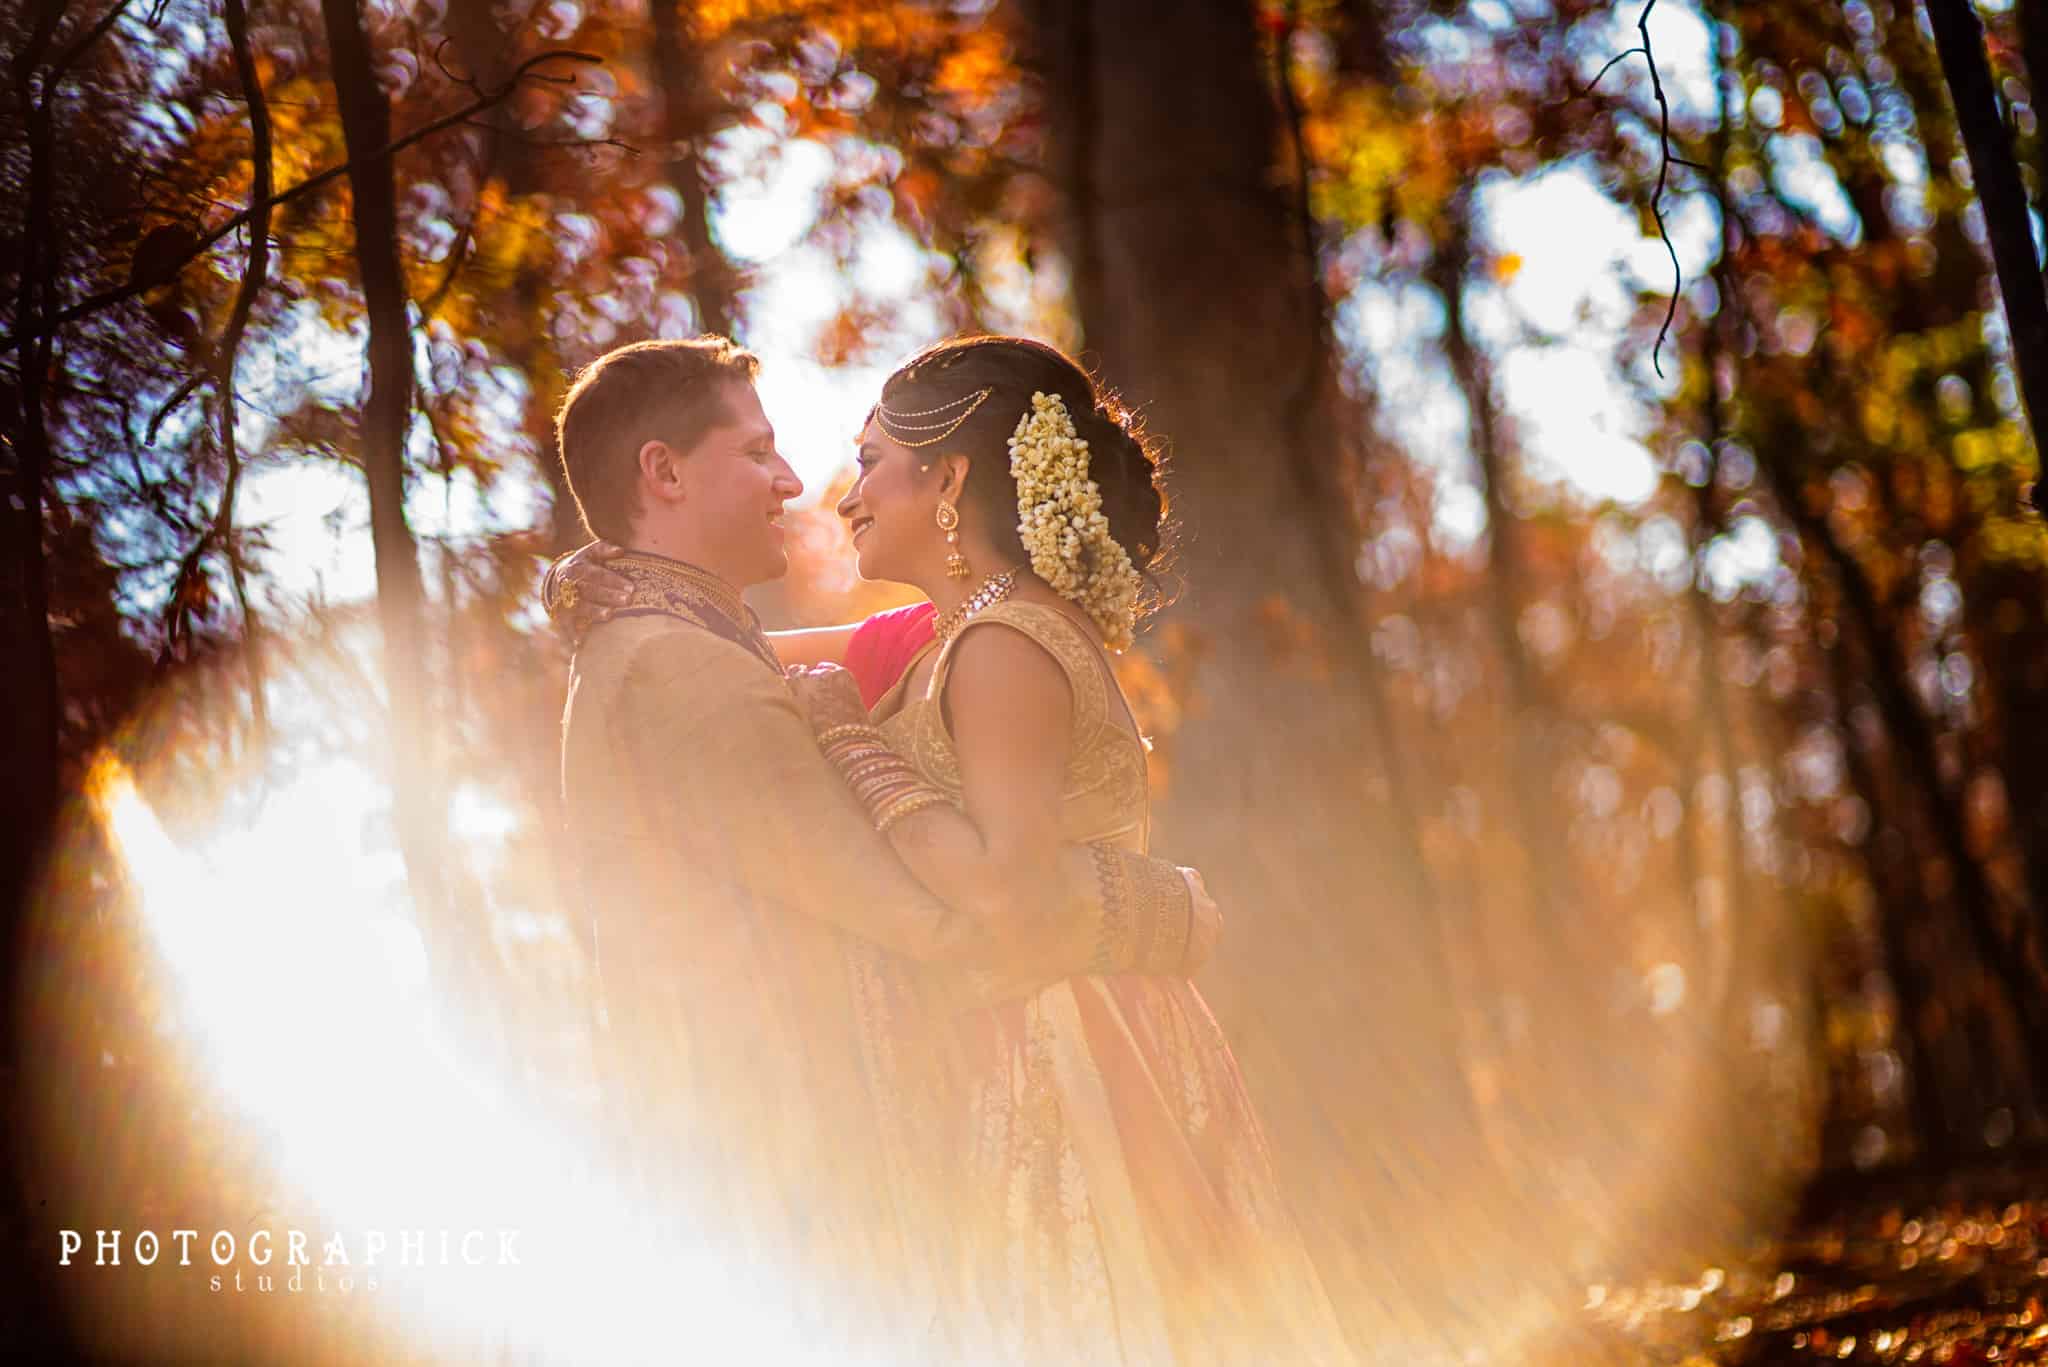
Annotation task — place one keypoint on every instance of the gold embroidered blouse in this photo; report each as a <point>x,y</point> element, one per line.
<point>1105,795</point>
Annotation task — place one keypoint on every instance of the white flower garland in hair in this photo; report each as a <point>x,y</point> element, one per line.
<point>1059,515</point>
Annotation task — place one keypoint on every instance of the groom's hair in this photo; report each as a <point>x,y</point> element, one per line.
<point>671,391</point>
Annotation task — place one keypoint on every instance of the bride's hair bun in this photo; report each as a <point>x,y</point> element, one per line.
<point>1128,470</point>
<point>1124,461</point>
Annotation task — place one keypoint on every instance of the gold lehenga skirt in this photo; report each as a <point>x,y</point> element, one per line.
<point>1120,1199</point>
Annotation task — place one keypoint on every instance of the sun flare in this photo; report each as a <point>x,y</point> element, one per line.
<point>316,1030</point>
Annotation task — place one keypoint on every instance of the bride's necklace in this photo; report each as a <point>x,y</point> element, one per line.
<point>992,590</point>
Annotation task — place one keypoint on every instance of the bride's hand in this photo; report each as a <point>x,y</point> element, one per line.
<point>829,695</point>
<point>579,591</point>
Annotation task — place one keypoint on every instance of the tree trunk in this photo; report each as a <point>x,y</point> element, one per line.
<point>387,416</point>
<point>1362,46</point>
<point>2004,597</point>
<point>30,697</point>
<point>1995,172</point>
<point>255,273</point>
<point>1901,895</point>
<point>488,52</point>
<point>1968,913</point>
<point>689,104</point>
<point>1196,301</point>
<point>1529,766</point>
<point>1911,732</point>
<point>2033,25</point>
<point>1716,417</point>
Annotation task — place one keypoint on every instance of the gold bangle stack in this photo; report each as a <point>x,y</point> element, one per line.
<point>551,588</point>
<point>833,735</point>
<point>908,803</point>
<point>887,784</point>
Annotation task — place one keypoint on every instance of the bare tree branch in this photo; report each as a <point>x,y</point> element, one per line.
<point>171,405</point>
<point>107,298</point>
<point>68,58</point>
<point>1612,62</point>
<point>528,140</point>
<point>1665,161</point>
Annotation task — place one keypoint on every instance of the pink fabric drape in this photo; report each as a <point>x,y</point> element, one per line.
<point>884,645</point>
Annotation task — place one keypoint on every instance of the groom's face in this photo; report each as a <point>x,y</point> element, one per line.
<point>734,485</point>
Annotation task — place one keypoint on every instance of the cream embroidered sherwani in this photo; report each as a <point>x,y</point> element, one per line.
<point>767,1054</point>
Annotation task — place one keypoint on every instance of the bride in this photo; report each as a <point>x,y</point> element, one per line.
<point>1112,1184</point>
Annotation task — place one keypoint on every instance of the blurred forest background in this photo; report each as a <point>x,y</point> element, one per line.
<point>1608,689</point>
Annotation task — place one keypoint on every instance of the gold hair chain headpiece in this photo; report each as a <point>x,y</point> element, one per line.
<point>906,429</point>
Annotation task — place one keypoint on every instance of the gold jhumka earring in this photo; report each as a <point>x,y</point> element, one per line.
<point>928,427</point>
<point>949,523</point>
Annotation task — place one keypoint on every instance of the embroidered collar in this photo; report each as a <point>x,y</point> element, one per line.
<point>675,588</point>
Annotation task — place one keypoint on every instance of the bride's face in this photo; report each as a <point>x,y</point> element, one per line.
<point>890,510</point>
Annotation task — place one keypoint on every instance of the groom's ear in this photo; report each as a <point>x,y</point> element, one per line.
<point>661,470</point>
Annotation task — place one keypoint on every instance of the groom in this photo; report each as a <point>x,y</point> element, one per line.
<point>756,937</point>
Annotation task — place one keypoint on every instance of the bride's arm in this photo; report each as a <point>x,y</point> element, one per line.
<point>1011,714</point>
<point>996,857</point>
<point>813,645</point>
<point>999,856</point>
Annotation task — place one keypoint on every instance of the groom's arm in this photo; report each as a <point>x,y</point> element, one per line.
<point>731,733</point>
<point>765,803</point>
